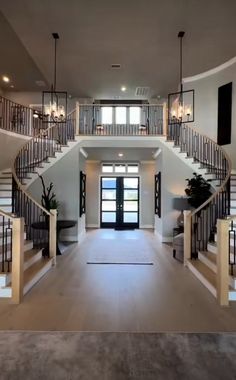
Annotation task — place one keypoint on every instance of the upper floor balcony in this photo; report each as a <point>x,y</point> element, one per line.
<point>121,120</point>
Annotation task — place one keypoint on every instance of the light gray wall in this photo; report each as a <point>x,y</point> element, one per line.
<point>10,144</point>
<point>147,171</point>
<point>65,176</point>
<point>92,194</point>
<point>93,171</point>
<point>173,182</point>
<point>206,105</point>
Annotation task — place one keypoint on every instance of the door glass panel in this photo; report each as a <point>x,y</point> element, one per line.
<point>109,183</point>
<point>130,206</point>
<point>130,217</point>
<point>108,217</point>
<point>119,168</point>
<point>130,183</point>
<point>108,194</point>
<point>108,205</point>
<point>131,195</point>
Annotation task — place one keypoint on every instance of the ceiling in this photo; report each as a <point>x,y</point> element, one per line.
<point>129,154</point>
<point>139,35</point>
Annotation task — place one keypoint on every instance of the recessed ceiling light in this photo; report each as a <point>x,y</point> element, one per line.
<point>5,79</point>
<point>123,88</point>
<point>120,154</point>
<point>12,86</point>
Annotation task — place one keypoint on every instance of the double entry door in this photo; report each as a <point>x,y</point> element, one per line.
<point>120,202</point>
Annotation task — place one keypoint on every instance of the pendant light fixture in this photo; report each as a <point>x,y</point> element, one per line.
<point>54,103</point>
<point>181,104</point>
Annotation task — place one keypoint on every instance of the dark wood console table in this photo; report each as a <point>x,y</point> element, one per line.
<point>61,225</point>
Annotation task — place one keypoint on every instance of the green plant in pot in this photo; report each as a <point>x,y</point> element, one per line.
<point>198,190</point>
<point>48,199</point>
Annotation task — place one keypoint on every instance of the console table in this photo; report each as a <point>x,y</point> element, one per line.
<point>61,224</point>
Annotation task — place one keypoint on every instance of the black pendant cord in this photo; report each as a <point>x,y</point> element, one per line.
<point>55,66</point>
<point>56,37</point>
<point>181,64</point>
<point>181,35</point>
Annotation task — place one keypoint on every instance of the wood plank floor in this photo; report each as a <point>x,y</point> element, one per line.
<point>139,298</point>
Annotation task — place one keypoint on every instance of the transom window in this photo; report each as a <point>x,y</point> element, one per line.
<point>120,168</point>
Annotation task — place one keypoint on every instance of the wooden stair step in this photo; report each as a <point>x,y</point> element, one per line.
<point>204,274</point>
<point>31,257</point>
<point>35,272</point>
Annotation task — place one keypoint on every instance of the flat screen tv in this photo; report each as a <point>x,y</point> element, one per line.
<point>224,114</point>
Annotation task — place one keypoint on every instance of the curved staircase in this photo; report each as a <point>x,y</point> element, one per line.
<point>22,248</point>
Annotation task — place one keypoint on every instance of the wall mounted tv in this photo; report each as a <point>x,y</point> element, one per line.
<point>224,114</point>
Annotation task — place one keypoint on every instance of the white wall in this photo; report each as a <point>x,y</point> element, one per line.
<point>206,105</point>
<point>65,177</point>
<point>10,144</point>
<point>93,171</point>
<point>173,182</point>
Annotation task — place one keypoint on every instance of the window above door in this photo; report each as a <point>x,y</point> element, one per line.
<point>120,168</point>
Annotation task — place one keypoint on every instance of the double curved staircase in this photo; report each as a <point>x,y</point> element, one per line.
<point>209,246</point>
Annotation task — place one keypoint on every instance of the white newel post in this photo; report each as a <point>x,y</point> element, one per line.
<point>53,235</point>
<point>164,119</point>
<point>17,260</point>
<point>187,236</point>
<point>77,119</point>
<point>222,282</point>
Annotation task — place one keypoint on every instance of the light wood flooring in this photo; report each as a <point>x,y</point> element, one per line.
<point>139,298</point>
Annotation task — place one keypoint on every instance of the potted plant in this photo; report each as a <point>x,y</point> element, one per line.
<point>198,190</point>
<point>48,199</point>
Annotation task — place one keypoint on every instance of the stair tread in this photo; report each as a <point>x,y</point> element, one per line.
<point>207,273</point>
<point>34,269</point>
<point>209,255</point>
<point>30,253</point>
<point>26,242</point>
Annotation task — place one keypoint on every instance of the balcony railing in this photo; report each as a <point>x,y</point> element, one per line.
<point>91,121</point>
<point>17,118</point>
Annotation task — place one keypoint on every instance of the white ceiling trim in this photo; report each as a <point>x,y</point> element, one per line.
<point>210,72</point>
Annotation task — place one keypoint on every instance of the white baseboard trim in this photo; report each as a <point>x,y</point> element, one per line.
<point>167,239</point>
<point>81,236</point>
<point>164,239</point>
<point>69,238</point>
<point>92,226</point>
<point>146,226</point>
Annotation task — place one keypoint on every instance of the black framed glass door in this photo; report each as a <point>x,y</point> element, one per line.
<point>120,202</point>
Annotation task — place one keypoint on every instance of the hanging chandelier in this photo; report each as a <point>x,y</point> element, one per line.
<point>54,103</point>
<point>181,104</point>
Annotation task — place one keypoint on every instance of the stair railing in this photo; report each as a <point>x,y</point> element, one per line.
<point>32,155</point>
<point>214,159</point>
<point>17,118</point>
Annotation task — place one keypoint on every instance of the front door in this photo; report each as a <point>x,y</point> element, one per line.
<point>120,202</point>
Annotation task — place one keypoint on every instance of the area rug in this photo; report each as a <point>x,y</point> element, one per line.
<point>117,356</point>
<point>120,257</point>
<point>119,252</point>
